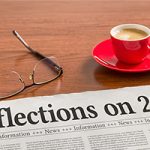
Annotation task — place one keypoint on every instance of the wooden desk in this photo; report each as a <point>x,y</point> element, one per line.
<point>68,30</point>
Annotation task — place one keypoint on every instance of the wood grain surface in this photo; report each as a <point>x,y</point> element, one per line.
<point>68,30</point>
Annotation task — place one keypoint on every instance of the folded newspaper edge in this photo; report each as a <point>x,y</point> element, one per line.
<point>115,119</point>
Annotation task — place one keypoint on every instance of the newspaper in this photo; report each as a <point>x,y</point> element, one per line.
<point>95,120</point>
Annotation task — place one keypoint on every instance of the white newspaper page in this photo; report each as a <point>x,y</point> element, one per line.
<point>98,120</point>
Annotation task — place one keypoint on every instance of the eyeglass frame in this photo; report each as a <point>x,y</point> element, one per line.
<point>54,66</point>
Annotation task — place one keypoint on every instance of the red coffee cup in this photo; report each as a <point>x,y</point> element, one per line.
<point>130,51</point>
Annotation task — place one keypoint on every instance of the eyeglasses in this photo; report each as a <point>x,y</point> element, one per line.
<point>45,71</point>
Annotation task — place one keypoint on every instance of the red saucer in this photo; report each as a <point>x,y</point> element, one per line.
<point>103,53</point>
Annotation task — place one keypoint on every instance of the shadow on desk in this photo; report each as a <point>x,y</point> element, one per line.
<point>114,79</point>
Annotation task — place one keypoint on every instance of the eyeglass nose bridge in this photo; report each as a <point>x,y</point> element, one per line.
<point>31,76</point>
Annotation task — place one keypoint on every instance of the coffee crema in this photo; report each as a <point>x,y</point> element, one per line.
<point>131,34</point>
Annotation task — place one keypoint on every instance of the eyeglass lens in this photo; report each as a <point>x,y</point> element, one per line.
<point>43,72</point>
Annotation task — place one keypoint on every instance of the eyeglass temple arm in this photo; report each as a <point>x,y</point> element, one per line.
<point>36,53</point>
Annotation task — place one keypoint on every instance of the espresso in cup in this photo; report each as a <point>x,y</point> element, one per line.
<point>131,34</point>
<point>131,42</point>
